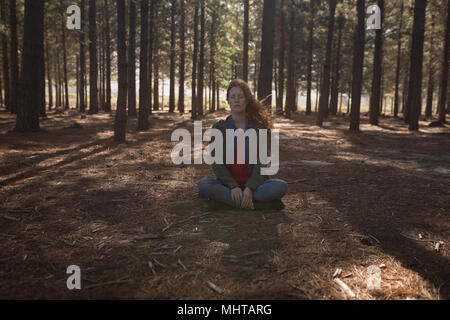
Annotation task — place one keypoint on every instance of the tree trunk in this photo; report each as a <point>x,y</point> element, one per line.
<point>143,70</point>
<point>430,91</point>
<point>66,84</point>
<point>40,68</point>
<point>156,41</point>
<point>49,75</point>
<point>310,57</point>
<point>246,39</point>
<point>444,80</point>
<point>337,65</point>
<point>201,64</point>
<point>325,83</point>
<point>14,56</point>
<point>82,60</point>
<point>281,55</point>
<point>77,70</point>
<point>265,71</point>
<point>121,113</point>
<point>108,58</point>
<point>132,61</point>
<point>150,54</point>
<point>399,53</point>
<point>6,71</point>
<point>172,58</point>
<point>375,97</point>
<point>415,79</point>
<point>182,58</point>
<point>93,65</point>
<point>358,63</point>
<point>32,56</point>
<point>213,62</point>
<point>194,64</point>
<point>290,93</point>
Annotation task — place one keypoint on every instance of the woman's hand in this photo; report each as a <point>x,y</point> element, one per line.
<point>247,200</point>
<point>237,195</point>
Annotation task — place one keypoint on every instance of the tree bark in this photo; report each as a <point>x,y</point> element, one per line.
<point>93,65</point>
<point>281,55</point>
<point>337,66</point>
<point>430,90</point>
<point>194,64</point>
<point>172,57</point>
<point>399,53</point>
<point>310,57</point>
<point>49,75</point>
<point>246,39</point>
<point>30,88</point>
<point>150,54</point>
<point>6,69</point>
<point>82,60</point>
<point>143,70</point>
<point>375,96</point>
<point>415,80</point>
<point>201,64</point>
<point>290,93</point>
<point>358,63</point>
<point>14,56</point>
<point>66,84</point>
<point>182,58</point>
<point>132,61</point>
<point>265,72</point>
<point>325,83</point>
<point>121,113</point>
<point>108,58</point>
<point>444,80</point>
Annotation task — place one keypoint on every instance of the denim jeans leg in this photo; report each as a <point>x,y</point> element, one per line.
<point>215,190</point>
<point>270,190</point>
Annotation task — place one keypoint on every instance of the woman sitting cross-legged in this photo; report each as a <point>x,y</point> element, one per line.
<point>243,185</point>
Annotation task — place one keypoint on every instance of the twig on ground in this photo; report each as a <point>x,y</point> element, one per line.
<point>181,264</point>
<point>296,181</point>
<point>167,227</point>
<point>150,264</point>
<point>346,289</point>
<point>215,288</point>
<point>159,263</point>
<point>11,218</point>
<point>423,240</point>
<point>177,249</point>
<point>251,253</point>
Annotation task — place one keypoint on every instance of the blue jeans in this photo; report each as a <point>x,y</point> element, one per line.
<point>270,190</point>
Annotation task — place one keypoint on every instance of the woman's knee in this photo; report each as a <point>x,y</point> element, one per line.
<point>281,187</point>
<point>204,185</point>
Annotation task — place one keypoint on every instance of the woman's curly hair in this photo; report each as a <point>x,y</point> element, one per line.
<point>255,110</point>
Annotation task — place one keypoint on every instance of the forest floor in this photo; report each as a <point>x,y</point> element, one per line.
<point>71,196</point>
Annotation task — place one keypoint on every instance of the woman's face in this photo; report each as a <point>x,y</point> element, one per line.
<point>237,100</point>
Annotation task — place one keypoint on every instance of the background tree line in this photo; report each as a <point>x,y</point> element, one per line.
<point>316,56</point>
